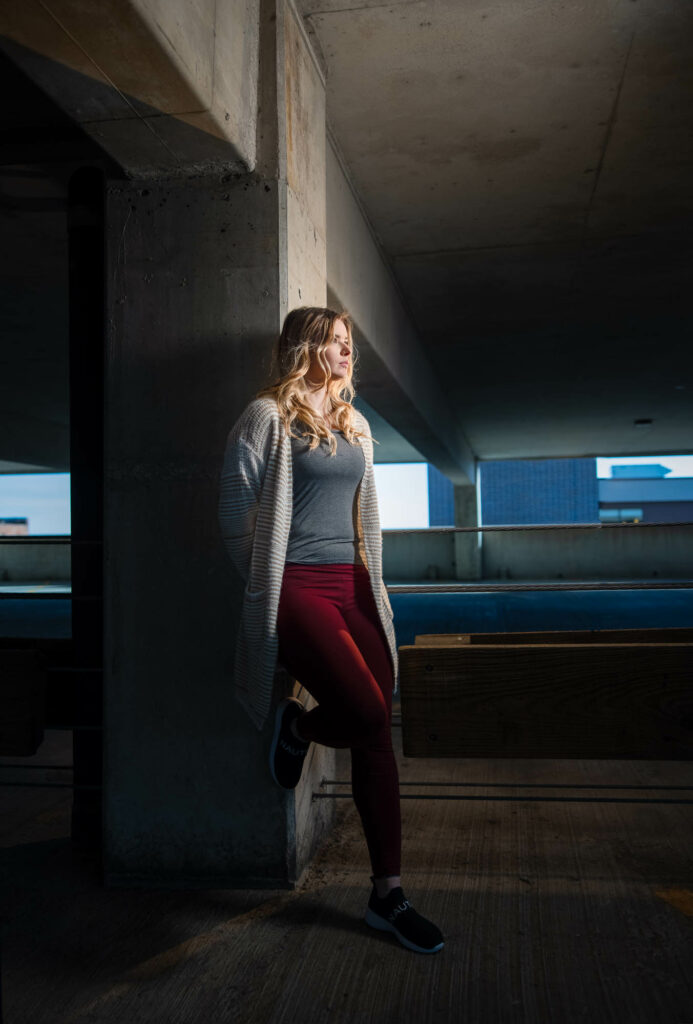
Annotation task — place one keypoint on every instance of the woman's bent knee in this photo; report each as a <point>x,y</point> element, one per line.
<point>371,720</point>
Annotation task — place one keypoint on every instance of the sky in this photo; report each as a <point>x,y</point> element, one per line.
<point>42,497</point>
<point>402,492</point>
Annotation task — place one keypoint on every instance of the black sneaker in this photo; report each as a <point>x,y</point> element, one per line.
<point>287,753</point>
<point>394,913</point>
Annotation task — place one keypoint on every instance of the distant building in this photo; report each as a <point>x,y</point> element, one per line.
<point>642,500</point>
<point>515,491</point>
<point>14,526</point>
<point>441,498</point>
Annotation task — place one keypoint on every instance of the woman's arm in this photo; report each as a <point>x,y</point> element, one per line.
<point>239,497</point>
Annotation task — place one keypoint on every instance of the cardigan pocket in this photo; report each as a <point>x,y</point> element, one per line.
<point>253,623</point>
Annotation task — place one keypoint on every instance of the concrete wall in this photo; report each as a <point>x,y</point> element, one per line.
<point>602,554</point>
<point>664,552</point>
<point>661,552</point>
<point>409,555</point>
<point>25,561</point>
<point>34,425</point>
<point>621,553</point>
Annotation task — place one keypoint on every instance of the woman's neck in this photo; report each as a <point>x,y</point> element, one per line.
<point>317,400</point>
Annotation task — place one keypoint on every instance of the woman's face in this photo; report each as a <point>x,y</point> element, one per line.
<point>337,354</point>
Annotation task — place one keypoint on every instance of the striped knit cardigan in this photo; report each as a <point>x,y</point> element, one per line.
<point>255,510</point>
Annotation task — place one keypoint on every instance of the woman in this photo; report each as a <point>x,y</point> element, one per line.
<point>299,517</point>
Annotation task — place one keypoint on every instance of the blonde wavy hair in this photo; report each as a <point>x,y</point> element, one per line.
<point>308,330</point>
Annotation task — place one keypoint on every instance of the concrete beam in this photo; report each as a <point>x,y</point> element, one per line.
<point>303,215</point>
<point>394,374</point>
<point>164,88</point>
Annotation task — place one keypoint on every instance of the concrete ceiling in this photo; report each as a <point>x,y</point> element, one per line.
<point>527,166</point>
<point>528,170</point>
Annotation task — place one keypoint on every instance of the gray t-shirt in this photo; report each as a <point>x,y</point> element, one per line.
<point>323,524</point>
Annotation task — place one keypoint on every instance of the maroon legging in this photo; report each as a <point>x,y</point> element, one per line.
<point>332,641</point>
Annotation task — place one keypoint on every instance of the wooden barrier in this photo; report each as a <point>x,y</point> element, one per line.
<point>575,700</point>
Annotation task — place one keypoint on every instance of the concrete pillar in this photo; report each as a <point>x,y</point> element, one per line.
<point>201,271</point>
<point>467,545</point>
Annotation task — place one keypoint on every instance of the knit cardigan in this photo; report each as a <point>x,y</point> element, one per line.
<point>255,509</point>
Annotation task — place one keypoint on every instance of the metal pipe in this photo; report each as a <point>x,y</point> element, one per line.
<point>524,785</point>
<point>45,767</point>
<point>492,586</point>
<point>54,785</point>
<point>74,728</point>
<point>538,799</point>
<point>519,527</point>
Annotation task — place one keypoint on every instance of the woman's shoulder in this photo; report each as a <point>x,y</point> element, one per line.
<point>256,421</point>
<point>263,408</point>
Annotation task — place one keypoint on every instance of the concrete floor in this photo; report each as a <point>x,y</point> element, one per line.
<point>554,912</point>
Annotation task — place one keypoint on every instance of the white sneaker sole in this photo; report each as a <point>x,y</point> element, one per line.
<point>382,925</point>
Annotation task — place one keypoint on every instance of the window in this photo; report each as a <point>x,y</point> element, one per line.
<point>620,515</point>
